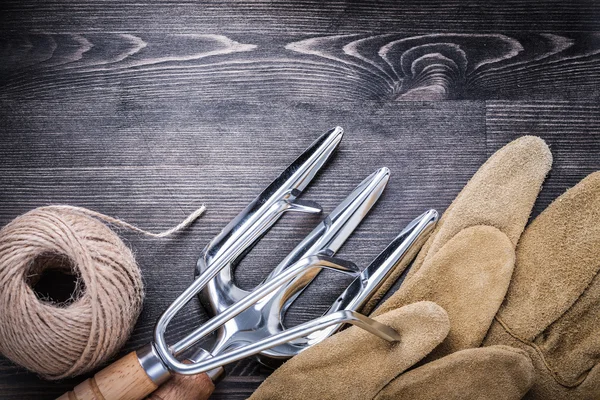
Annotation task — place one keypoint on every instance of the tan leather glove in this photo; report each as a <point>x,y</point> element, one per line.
<point>355,364</point>
<point>465,267</point>
<point>552,309</point>
<point>485,373</point>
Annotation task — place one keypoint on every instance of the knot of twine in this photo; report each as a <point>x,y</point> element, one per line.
<point>58,340</point>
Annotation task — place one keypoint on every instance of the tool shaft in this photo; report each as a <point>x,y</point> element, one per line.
<point>125,379</point>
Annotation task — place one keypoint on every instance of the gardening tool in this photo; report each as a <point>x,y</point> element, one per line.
<point>250,323</point>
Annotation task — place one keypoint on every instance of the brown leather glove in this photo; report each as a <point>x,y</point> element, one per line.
<point>552,309</point>
<point>465,267</point>
<point>355,364</point>
<point>485,373</point>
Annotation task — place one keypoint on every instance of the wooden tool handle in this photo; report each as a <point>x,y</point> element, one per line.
<point>185,387</point>
<point>125,379</point>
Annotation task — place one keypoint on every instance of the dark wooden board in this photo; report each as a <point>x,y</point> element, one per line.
<point>307,16</point>
<point>144,111</point>
<point>572,129</point>
<point>386,67</point>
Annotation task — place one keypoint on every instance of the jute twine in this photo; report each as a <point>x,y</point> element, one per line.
<point>65,340</point>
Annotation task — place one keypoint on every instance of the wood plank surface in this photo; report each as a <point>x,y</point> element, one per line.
<point>144,111</point>
<point>301,68</point>
<point>274,17</point>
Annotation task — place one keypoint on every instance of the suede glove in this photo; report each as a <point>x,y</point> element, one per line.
<point>465,267</point>
<point>327,369</point>
<point>485,373</point>
<point>552,308</point>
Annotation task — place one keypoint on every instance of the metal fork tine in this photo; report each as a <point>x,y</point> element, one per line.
<point>251,224</point>
<point>325,239</point>
<point>339,317</point>
<point>330,235</point>
<point>280,196</point>
<point>300,267</point>
<point>250,323</point>
<point>380,272</point>
<point>294,273</point>
<point>321,243</point>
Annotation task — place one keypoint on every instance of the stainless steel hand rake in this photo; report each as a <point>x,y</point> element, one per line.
<point>251,323</point>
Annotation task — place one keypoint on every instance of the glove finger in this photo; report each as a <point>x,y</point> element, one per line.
<point>553,303</point>
<point>546,386</point>
<point>500,194</point>
<point>468,277</point>
<point>355,364</point>
<point>557,260</point>
<point>489,373</point>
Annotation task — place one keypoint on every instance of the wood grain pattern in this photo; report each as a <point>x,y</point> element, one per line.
<point>275,17</point>
<point>185,387</point>
<point>571,128</point>
<point>351,67</point>
<point>145,110</point>
<point>124,379</point>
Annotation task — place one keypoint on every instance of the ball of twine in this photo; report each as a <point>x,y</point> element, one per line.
<point>65,340</point>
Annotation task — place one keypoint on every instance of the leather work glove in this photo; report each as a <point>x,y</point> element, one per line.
<point>485,373</point>
<point>552,308</point>
<point>465,267</point>
<point>353,363</point>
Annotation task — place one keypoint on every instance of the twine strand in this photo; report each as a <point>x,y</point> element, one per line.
<point>119,222</point>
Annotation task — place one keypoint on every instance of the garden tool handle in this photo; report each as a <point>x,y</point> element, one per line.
<point>185,387</point>
<point>133,378</point>
<point>125,379</point>
<point>190,387</point>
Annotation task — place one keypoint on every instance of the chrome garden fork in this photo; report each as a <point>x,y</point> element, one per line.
<point>251,322</point>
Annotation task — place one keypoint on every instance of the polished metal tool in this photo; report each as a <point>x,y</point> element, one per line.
<point>251,322</point>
